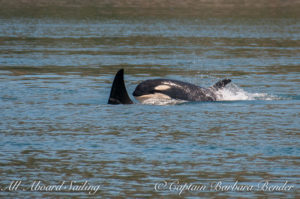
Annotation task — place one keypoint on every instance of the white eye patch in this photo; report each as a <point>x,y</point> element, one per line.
<point>162,87</point>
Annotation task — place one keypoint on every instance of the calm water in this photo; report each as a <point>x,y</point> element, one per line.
<point>56,127</point>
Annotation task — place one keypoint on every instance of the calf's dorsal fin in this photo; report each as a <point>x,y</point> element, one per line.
<point>221,84</point>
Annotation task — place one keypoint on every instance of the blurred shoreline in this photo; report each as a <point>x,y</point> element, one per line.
<point>204,8</point>
<point>154,3</point>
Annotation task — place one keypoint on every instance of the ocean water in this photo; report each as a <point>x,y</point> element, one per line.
<point>60,138</point>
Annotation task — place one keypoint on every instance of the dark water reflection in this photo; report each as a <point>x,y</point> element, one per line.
<point>55,125</point>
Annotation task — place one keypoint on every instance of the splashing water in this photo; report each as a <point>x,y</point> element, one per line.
<point>234,93</point>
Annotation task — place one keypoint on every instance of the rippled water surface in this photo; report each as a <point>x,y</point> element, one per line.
<point>56,126</point>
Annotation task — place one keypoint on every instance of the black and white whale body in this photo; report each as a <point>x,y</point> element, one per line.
<point>164,89</point>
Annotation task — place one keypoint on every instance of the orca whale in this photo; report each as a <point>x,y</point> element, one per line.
<point>165,89</point>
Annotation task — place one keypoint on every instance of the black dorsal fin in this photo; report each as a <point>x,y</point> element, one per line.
<point>118,93</point>
<point>221,84</point>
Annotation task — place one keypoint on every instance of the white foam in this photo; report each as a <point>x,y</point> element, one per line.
<point>233,93</point>
<point>161,102</point>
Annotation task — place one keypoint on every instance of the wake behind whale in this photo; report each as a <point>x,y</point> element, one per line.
<point>233,92</point>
